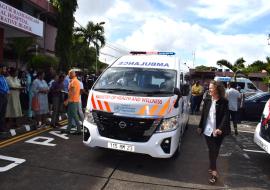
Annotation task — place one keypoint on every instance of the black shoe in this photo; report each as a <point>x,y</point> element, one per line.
<point>77,133</point>
<point>65,131</point>
<point>236,133</point>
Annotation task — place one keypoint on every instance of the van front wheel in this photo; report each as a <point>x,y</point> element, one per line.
<point>177,151</point>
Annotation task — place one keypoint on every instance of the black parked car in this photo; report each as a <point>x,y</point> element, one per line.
<point>254,105</point>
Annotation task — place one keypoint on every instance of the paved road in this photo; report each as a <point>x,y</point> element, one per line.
<point>67,164</point>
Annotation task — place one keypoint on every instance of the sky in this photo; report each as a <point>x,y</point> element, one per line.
<point>200,32</point>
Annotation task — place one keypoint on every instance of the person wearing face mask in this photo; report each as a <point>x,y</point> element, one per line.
<point>214,124</point>
<point>4,91</point>
<point>40,91</point>
<point>74,92</point>
<point>14,110</point>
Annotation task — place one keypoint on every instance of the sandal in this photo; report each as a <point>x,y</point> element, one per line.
<point>213,179</point>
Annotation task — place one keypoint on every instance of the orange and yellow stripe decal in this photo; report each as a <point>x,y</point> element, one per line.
<point>164,108</point>
<point>100,105</point>
<point>107,106</point>
<point>142,110</point>
<point>93,103</point>
<point>153,109</point>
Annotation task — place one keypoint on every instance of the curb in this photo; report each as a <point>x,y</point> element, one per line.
<point>24,129</point>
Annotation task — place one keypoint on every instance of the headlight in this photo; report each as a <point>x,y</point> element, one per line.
<point>168,124</point>
<point>89,117</point>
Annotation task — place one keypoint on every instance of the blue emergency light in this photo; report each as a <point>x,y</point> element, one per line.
<point>152,53</point>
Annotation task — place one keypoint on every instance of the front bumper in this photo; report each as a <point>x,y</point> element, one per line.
<point>260,141</point>
<point>152,147</point>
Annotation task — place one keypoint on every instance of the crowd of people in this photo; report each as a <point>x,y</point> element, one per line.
<point>40,95</point>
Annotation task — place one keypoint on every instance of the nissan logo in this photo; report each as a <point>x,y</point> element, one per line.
<point>122,124</point>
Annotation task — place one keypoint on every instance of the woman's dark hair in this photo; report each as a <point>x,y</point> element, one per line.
<point>220,88</point>
<point>12,71</point>
<point>40,73</point>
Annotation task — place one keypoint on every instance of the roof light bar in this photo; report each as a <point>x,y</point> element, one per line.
<point>152,53</point>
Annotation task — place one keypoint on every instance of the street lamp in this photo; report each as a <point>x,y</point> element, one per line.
<point>98,24</point>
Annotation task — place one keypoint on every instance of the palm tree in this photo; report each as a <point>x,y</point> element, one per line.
<point>227,64</point>
<point>237,67</point>
<point>93,34</point>
<point>267,68</point>
<point>20,46</point>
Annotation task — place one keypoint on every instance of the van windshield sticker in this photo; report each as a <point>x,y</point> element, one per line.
<point>147,64</point>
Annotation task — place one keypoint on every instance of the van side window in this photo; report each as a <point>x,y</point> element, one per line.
<point>251,86</point>
<point>236,84</point>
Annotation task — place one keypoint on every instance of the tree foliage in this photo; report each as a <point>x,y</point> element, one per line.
<point>205,68</point>
<point>239,63</point>
<point>239,67</point>
<point>84,57</point>
<point>92,34</point>
<point>43,62</point>
<point>227,64</point>
<point>88,41</point>
<point>63,44</point>
<point>20,46</point>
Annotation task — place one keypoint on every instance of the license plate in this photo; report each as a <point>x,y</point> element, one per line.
<point>123,147</point>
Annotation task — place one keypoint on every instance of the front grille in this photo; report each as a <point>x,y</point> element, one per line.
<point>265,132</point>
<point>124,128</point>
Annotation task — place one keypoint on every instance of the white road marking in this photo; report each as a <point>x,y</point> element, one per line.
<point>16,162</point>
<point>64,127</point>
<point>246,156</point>
<point>12,132</point>
<point>58,134</point>
<point>252,132</point>
<point>225,154</point>
<point>257,151</point>
<point>27,127</point>
<point>46,141</point>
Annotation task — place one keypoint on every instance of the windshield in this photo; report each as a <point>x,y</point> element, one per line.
<point>137,80</point>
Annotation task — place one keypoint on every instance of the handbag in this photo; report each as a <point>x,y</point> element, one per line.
<point>35,103</point>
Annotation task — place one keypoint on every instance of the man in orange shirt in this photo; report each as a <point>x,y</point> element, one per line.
<point>73,102</point>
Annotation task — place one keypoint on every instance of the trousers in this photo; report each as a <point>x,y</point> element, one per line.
<point>213,144</point>
<point>73,115</point>
<point>3,108</point>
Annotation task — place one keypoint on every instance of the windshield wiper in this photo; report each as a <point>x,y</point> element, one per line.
<point>115,89</point>
<point>158,92</point>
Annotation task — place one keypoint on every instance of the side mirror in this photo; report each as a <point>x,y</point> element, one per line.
<point>179,95</point>
<point>176,91</point>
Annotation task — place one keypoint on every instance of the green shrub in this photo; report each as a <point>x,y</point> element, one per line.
<point>43,62</point>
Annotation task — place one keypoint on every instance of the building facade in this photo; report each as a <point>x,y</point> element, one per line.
<point>27,18</point>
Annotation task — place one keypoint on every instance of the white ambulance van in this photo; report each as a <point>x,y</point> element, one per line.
<point>262,132</point>
<point>139,104</point>
<point>245,84</point>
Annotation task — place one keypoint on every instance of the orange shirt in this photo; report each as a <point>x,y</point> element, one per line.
<point>74,90</point>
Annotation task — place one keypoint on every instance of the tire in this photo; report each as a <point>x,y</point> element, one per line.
<point>176,154</point>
